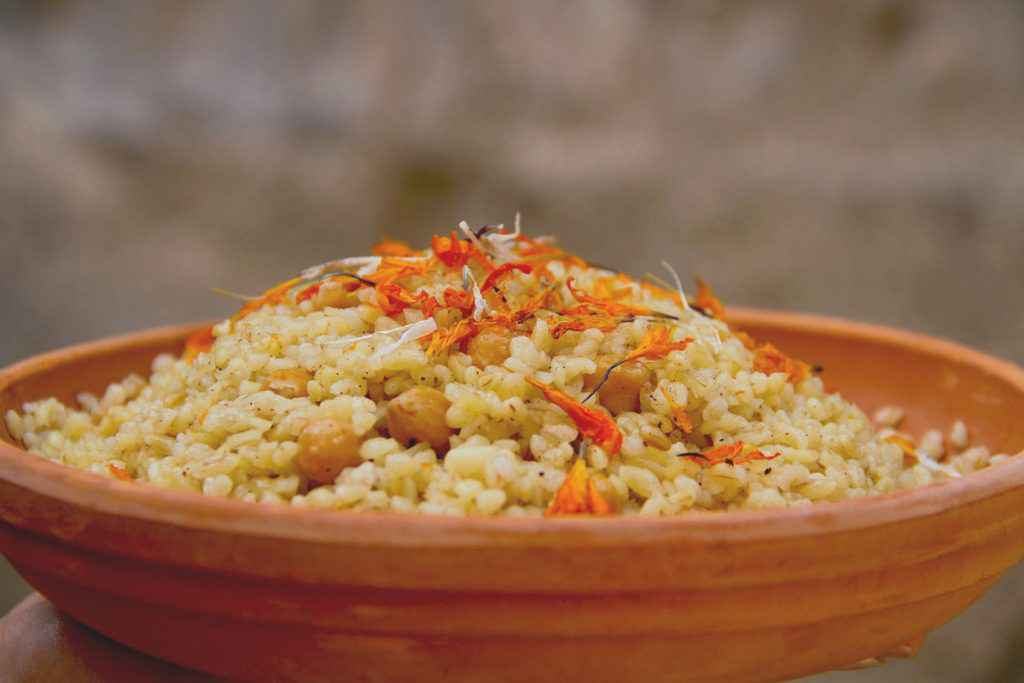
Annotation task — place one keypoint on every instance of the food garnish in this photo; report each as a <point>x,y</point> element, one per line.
<point>501,271</point>
<point>590,303</point>
<point>737,453</point>
<point>390,247</point>
<point>707,300</point>
<point>769,360</point>
<point>593,423</point>
<point>577,495</point>
<point>456,253</point>
<point>198,342</point>
<point>679,415</point>
<point>458,333</point>
<point>655,344</point>
<point>118,472</point>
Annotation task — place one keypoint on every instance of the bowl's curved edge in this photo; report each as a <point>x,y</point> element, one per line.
<point>189,510</point>
<point>906,339</point>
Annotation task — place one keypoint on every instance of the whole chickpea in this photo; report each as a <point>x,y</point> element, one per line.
<point>490,347</point>
<point>290,383</point>
<point>326,447</point>
<point>590,381</point>
<point>335,295</point>
<point>446,317</point>
<point>418,414</point>
<point>621,393</point>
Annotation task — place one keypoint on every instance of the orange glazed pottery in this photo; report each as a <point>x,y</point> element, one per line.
<point>273,593</point>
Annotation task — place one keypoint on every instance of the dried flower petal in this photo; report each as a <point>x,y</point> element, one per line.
<point>605,323</point>
<point>393,248</point>
<point>732,453</point>
<point>455,253</point>
<point>656,344</point>
<point>118,472</point>
<point>679,414</point>
<point>609,307</point>
<point>503,270</point>
<point>456,334</point>
<point>274,295</point>
<point>460,299</point>
<point>592,423</point>
<point>394,298</point>
<point>605,289</point>
<point>198,342</point>
<point>577,495</point>
<point>707,300</point>
<point>450,251</point>
<point>769,360</point>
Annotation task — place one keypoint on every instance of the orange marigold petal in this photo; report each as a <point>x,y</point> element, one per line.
<point>679,414</point>
<point>571,496</point>
<point>456,334</point>
<point>609,307</point>
<point>394,298</point>
<point>722,453</point>
<point>734,454</point>
<point>750,456</point>
<point>118,472</point>
<point>274,295</point>
<point>390,247</point>
<point>578,495</point>
<point>455,253</point>
<point>501,271</point>
<point>198,342</point>
<point>451,251</point>
<point>769,360</point>
<point>656,344</point>
<point>460,299</point>
<point>593,423</point>
<point>707,300</point>
<point>601,322</point>
<point>308,292</point>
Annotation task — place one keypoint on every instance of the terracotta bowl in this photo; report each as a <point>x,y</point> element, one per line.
<point>254,592</point>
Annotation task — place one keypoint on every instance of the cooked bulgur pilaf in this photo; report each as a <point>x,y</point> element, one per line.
<point>492,374</point>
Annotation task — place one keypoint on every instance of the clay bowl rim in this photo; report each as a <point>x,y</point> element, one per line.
<point>190,510</point>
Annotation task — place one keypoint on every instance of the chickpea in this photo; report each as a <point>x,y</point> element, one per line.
<point>375,391</point>
<point>590,381</point>
<point>335,295</point>
<point>290,383</point>
<point>490,347</point>
<point>326,447</point>
<point>446,317</point>
<point>418,414</point>
<point>621,393</point>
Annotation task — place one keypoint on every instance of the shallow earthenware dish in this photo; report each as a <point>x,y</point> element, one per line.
<point>266,593</point>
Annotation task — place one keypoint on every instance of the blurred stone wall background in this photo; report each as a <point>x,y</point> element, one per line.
<point>858,159</point>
